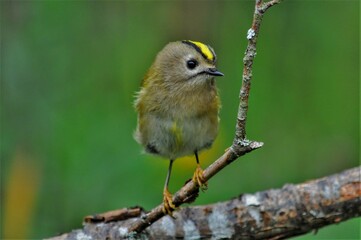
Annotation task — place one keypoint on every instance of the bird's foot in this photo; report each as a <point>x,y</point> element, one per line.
<point>199,179</point>
<point>168,205</point>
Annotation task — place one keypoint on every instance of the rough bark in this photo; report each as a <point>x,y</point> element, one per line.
<point>272,214</point>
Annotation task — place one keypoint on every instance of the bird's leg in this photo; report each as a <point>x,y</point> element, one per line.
<point>198,175</point>
<point>168,206</point>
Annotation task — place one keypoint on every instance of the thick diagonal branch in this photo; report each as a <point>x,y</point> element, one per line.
<point>272,214</point>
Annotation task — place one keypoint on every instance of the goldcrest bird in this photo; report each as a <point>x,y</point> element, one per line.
<point>178,106</point>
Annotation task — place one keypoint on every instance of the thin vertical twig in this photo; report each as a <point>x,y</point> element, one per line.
<point>252,36</point>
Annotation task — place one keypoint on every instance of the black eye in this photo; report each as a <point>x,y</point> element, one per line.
<point>191,64</point>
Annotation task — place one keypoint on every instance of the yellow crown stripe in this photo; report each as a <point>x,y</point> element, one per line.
<point>204,49</point>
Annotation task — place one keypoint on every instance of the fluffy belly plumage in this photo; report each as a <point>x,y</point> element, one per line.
<point>173,138</point>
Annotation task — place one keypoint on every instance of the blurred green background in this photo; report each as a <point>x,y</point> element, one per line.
<point>70,70</point>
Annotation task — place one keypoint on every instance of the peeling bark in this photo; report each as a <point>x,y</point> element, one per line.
<point>273,214</point>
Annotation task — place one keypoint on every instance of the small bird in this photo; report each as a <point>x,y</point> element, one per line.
<point>178,106</point>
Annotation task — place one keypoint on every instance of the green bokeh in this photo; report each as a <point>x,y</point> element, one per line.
<point>70,70</point>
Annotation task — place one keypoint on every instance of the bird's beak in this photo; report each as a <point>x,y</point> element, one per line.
<point>214,72</point>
